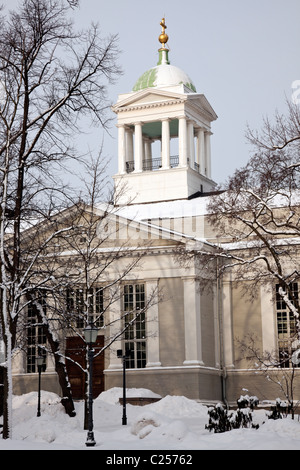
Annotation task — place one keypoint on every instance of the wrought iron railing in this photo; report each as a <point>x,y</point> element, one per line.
<point>130,166</point>
<point>174,161</point>
<point>197,167</point>
<point>152,164</point>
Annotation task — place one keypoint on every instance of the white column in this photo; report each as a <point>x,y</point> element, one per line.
<point>191,145</point>
<point>152,325</point>
<point>138,147</point>
<point>192,322</point>
<point>148,149</point>
<point>201,151</point>
<point>207,154</point>
<point>129,145</point>
<point>121,149</point>
<point>197,151</point>
<point>165,144</point>
<point>182,137</point>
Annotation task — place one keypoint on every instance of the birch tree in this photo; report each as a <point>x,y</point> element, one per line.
<point>50,77</point>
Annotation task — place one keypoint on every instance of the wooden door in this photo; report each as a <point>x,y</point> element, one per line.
<point>76,351</point>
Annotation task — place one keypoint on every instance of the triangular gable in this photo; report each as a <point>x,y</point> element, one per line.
<point>154,98</point>
<point>201,102</point>
<point>120,229</point>
<point>147,96</point>
<point>133,232</point>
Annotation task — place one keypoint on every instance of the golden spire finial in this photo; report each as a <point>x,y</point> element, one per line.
<point>163,38</point>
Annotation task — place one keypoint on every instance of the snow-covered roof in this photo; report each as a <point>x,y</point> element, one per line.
<point>250,243</point>
<point>164,210</point>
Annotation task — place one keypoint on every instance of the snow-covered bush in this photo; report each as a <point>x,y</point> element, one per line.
<point>247,402</point>
<point>279,410</point>
<point>221,420</point>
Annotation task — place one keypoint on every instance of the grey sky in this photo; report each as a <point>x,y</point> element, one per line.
<point>243,55</point>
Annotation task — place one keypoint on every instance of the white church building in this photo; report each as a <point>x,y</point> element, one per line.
<point>161,190</point>
<point>187,344</point>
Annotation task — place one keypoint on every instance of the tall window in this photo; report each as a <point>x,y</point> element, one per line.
<point>135,335</point>
<point>36,338</point>
<point>86,306</point>
<point>286,328</point>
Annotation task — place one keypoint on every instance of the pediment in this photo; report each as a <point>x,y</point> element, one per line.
<point>157,97</point>
<point>109,231</point>
<point>148,97</point>
<point>120,231</point>
<point>202,105</point>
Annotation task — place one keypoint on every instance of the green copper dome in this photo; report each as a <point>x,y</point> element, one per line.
<point>163,75</point>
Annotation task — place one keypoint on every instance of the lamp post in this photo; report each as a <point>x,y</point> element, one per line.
<point>40,362</point>
<point>90,335</point>
<point>123,356</point>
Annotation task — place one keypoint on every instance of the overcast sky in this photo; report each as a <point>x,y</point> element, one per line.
<point>242,55</point>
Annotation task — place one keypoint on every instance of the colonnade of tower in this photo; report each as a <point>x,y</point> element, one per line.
<point>135,148</point>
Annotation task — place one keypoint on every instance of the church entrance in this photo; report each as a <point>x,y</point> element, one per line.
<point>76,351</point>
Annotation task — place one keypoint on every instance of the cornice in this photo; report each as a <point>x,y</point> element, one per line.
<point>141,106</point>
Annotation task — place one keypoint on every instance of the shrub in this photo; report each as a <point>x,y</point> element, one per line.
<point>280,409</point>
<point>220,420</point>
<point>247,402</point>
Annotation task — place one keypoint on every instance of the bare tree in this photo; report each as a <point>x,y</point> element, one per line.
<point>258,210</point>
<point>255,216</point>
<point>50,77</point>
<point>78,263</point>
<point>100,262</point>
<point>278,133</point>
<point>273,369</point>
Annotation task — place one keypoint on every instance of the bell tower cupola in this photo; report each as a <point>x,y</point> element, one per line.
<point>164,131</point>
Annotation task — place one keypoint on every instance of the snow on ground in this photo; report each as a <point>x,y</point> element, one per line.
<point>173,423</point>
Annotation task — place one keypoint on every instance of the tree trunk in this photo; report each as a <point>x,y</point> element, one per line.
<point>4,404</point>
<point>60,367</point>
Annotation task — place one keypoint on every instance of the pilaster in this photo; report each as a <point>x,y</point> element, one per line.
<point>227,324</point>
<point>192,322</point>
<point>152,329</point>
<point>268,318</point>
<point>115,327</point>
